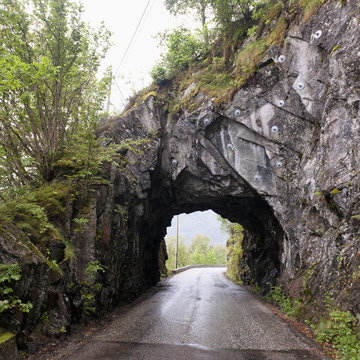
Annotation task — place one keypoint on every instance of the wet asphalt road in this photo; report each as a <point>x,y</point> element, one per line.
<point>197,314</point>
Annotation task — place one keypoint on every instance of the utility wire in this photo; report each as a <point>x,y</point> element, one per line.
<point>142,24</point>
<point>121,94</point>
<point>133,36</point>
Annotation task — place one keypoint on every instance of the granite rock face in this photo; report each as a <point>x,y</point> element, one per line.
<point>281,158</point>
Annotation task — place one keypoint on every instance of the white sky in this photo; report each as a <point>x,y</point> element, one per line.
<point>199,222</point>
<point>121,17</point>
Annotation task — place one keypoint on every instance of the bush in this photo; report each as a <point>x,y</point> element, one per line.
<point>339,329</point>
<point>8,274</point>
<point>277,294</point>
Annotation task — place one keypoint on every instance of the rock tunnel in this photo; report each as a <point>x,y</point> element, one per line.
<point>279,157</point>
<point>263,234</point>
<point>203,161</point>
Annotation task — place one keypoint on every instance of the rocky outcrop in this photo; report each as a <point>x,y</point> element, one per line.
<point>281,158</point>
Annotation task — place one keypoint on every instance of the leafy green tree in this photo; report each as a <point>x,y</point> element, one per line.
<point>219,254</point>
<point>183,6</point>
<point>183,254</point>
<point>199,249</point>
<point>49,93</point>
<point>182,48</point>
<point>198,252</point>
<point>227,11</point>
<point>201,7</point>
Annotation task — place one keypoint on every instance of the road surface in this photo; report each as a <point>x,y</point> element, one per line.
<point>197,314</point>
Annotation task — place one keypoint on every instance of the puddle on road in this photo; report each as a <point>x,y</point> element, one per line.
<point>221,285</point>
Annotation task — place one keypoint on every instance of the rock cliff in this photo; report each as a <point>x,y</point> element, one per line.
<point>281,158</point>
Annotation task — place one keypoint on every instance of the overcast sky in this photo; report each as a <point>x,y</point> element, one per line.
<point>199,222</point>
<point>122,17</point>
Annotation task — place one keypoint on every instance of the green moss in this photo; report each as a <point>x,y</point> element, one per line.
<point>304,202</point>
<point>310,8</point>
<point>277,35</point>
<point>250,56</point>
<point>5,336</point>
<point>336,47</point>
<point>334,191</point>
<point>235,254</point>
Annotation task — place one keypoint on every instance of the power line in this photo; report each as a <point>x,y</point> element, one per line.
<point>133,36</point>
<point>142,23</point>
<point>121,94</point>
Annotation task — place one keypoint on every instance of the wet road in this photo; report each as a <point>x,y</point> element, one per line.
<point>198,314</point>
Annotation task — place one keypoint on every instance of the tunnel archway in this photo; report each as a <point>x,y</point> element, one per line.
<point>214,160</point>
<point>263,235</point>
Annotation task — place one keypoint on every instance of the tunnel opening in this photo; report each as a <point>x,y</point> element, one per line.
<point>198,238</point>
<point>238,203</point>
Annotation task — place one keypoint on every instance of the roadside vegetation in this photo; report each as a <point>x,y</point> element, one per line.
<point>51,104</point>
<point>336,329</point>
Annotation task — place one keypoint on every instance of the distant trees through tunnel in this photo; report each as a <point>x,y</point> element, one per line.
<point>198,239</point>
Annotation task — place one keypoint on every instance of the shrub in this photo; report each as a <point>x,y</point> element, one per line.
<point>277,294</point>
<point>339,329</point>
<point>8,274</point>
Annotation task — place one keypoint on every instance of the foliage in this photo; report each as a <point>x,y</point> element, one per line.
<point>83,164</point>
<point>49,94</point>
<point>335,48</point>
<point>31,219</point>
<point>94,267</point>
<point>339,329</point>
<point>33,213</point>
<point>234,248</point>
<point>182,47</point>
<point>183,6</point>
<point>249,57</point>
<point>277,294</point>
<point>183,252</point>
<point>228,11</point>
<point>89,290</point>
<point>310,7</point>
<point>198,252</point>
<point>9,274</point>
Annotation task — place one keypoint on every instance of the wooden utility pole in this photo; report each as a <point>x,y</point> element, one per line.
<point>177,241</point>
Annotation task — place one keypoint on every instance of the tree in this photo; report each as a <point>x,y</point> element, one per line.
<point>182,48</point>
<point>199,249</point>
<point>183,255</point>
<point>220,254</point>
<point>183,6</point>
<point>227,11</point>
<point>49,93</point>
